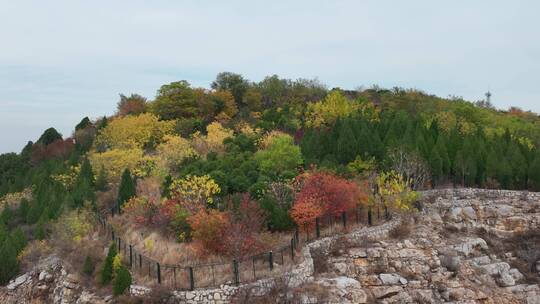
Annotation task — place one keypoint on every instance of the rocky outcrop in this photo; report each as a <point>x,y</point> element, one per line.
<point>443,259</point>
<point>49,282</point>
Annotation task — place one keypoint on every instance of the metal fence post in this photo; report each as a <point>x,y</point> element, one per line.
<point>158,273</point>
<point>369,220</point>
<point>140,261</point>
<point>292,248</point>
<point>191,279</point>
<point>271,260</point>
<point>119,243</point>
<point>130,256</point>
<point>112,234</point>
<point>235,272</point>
<point>344,219</point>
<point>317,227</point>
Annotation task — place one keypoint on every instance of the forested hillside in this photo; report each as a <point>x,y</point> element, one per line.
<point>254,158</point>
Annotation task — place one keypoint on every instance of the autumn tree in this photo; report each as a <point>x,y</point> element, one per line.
<point>174,150</point>
<point>194,193</point>
<point>131,105</point>
<point>327,111</point>
<point>395,192</point>
<point>133,132</point>
<point>213,140</point>
<point>324,193</point>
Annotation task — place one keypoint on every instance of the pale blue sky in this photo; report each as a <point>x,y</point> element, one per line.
<point>63,60</point>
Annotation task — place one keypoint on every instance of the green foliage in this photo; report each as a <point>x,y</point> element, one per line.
<point>122,281</point>
<point>85,122</point>
<point>107,267</point>
<point>9,265</point>
<point>49,136</point>
<point>280,159</point>
<point>234,83</point>
<point>88,266</point>
<point>127,188</point>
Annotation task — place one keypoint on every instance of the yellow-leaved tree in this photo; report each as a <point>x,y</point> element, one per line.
<point>133,132</point>
<point>395,192</point>
<point>213,141</point>
<point>194,192</point>
<point>327,111</point>
<point>116,160</point>
<point>174,150</point>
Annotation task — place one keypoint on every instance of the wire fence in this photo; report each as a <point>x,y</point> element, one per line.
<point>245,270</point>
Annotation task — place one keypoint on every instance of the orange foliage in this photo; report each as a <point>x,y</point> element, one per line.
<point>323,193</point>
<point>208,228</point>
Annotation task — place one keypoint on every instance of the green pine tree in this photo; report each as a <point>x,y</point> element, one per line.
<point>9,266</point>
<point>127,188</point>
<point>88,266</point>
<point>107,268</point>
<point>122,281</point>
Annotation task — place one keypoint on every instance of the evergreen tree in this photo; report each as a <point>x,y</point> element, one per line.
<point>346,144</point>
<point>436,165</point>
<point>127,188</point>
<point>122,281</point>
<point>534,173</point>
<point>107,268</point>
<point>101,180</point>
<point>88,266</point>
<point>9,265</point>
<point>85,122</point>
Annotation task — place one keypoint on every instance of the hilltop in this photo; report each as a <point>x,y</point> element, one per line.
<point>242,171</point>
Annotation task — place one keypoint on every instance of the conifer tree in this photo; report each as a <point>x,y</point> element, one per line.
<point>122,281</point>
<point>107,268</point>
<point>9,265</point>
<point>127,188</point>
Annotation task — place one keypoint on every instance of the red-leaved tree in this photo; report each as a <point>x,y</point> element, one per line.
<point>323,193</point>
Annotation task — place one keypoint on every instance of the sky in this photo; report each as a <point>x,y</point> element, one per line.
<point>63,60</point>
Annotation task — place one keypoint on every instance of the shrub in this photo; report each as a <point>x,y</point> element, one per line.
<point>122,281</point>
<point>88,266</point>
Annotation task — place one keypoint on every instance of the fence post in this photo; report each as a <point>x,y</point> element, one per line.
<point>344,219</point>
<point>317,227</point>
<point>130,256</point>
<point>271,260</point>
<point>112,234</point>
<point>369,220</point>
<point>191,279</point>
<point>158,273</point>
<point>292,248</point>
<point>119,243</point>
<point>235,272</point>
<point>140,261</point>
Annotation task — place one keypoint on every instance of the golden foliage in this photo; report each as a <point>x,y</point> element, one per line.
<point>213,141</point>
<point>174,150</point>
<point>68,179</point>
<point>327,111</point>
<point>116,160</point>
<point>133,132</point>
<point>197,191</point>
<point>395,191</point>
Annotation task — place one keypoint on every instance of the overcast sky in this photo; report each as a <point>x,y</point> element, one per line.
<point>63,60</point>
